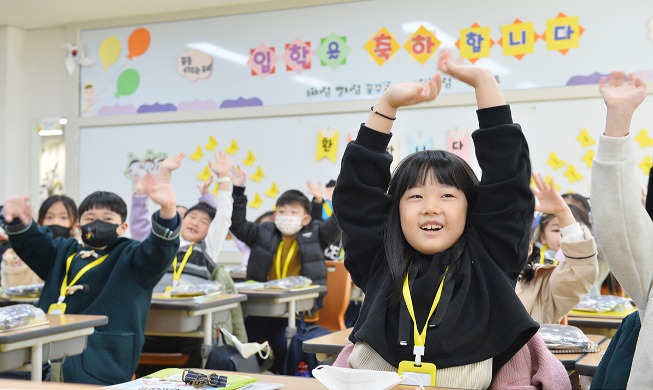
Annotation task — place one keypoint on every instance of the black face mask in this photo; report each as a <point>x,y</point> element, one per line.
<point>59,231</point>
<point>99,234</point>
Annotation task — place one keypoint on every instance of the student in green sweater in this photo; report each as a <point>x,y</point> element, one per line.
<point>109,275</point>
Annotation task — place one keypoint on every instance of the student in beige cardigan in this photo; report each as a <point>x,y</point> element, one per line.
<point>548,292</point>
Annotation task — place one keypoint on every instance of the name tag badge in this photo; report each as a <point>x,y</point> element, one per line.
<point>426,372</point>
<point>57,308</point>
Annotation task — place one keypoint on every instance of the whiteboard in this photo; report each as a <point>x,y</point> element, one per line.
<point>285,147</point>
<point>614,37</point>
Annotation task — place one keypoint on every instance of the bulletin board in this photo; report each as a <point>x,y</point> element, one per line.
<point>352,51</point>
<point>285,152</point>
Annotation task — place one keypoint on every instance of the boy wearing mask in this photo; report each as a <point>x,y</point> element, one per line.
<point>107,275</point>
<point>291,245</point>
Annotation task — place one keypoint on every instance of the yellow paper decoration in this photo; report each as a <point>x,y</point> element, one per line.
<point>475,42</point>
<point>249,160</point>
<point>585,139</point>
<point>273,191</point>
<point>562,33</point>
<point>646,165</point>
<point>327,145</point>
<point>215,189</point>
<point>555,162</point>
<point>256,201</point>
<point>572,174</point>
<point>588,158</point>
<point>382,46</point>
<point>643,139</point>
<point>422,45</point>
<point>233,148</point>
<point>197,154</point>
<point>211,144</point>
<point>258,175</point>
<point>205,174</point>
<point>518,39</point>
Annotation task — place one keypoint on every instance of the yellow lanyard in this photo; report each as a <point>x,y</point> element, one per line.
<point>543,253</point>
<point>420,338</point>
<point>327,209</point>
<point>65,285</point>
<point>176,273</point>
<point>286,263</point>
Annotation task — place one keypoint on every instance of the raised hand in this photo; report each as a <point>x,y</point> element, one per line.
<point>621,96</point>
<point>550,201</point>
<point>19,207</point>
<point>204,187</point>
<point>170,164</point>
<point>315,190</point>
<point>407,94</point>
<point>488,92</point>
<point>222,164</point>
<point>623,92</point>
<point>161,192</point>
<point>238,176</point>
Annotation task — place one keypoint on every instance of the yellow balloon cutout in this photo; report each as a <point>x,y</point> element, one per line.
<point>110,49</point>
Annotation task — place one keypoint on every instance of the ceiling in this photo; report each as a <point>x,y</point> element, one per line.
<point>37,14</point>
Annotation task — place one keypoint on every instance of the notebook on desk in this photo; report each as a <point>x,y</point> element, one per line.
<point>171,378</point>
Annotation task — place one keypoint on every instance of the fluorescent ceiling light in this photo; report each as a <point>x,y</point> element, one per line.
<point>219,52</point>
<point>50,132</point>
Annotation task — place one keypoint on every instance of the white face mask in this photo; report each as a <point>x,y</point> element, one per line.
<point>248,349</point>
<point>288,224</point>
<point>338,378</point>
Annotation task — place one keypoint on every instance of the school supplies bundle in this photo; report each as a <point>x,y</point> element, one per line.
<point>603,303</point>
<point>287,283</point>
<point>174,378</point>
<point>566,339</point>
<point>194,290</point>
<point>27,290</point>
<point>20,316</point>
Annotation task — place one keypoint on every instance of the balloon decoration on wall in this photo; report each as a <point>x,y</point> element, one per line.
<point>139,42</point>
<point>110,49</point>
<point>127,82</point>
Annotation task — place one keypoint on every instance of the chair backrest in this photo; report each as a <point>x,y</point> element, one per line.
<point>336,300</point>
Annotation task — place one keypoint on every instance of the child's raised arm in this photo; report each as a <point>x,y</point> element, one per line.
<point>488,92</point>
<point>397,95</point>
<point>550,201</point>
<point>622,95</point>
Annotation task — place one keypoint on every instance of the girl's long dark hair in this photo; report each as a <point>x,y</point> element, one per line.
<point>413,171</point>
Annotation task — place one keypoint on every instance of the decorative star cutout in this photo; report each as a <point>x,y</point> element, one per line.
<point>588,158</point>
<point>197,154</point>
<point>256,201</point>
<point>205,174</point>
<point>273,191</point>
<point>211,144</point>
<point>555,162</point>
<point>249,160</point>
<point>258,175</point>
<point>572,174</point>
<point>585,139</point>
<point>644,139</point>
<point>233,148</point>
<point>646,165</point>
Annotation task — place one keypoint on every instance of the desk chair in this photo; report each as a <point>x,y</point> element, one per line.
<point>336,301</point>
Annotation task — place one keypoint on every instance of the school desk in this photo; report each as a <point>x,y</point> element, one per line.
<point>62,335</point>
<point>288,382</point>
<point>281,303</point>
<point>182,317</point>
<point>605,320</point>
<point>569,359</point>
<point>20,384</point>
<point>586,366</point>
<point>330,344</point>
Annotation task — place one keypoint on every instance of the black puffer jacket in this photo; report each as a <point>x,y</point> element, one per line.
<point>264,240</point>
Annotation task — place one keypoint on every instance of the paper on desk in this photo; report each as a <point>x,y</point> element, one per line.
<point>170,378</point>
